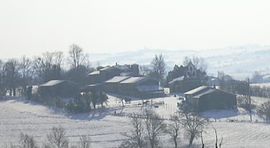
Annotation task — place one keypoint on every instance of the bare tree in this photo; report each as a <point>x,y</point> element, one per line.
<point>174,129</point>
<point>217,144</point>
<point>245,100</point>
<point>158,67</point>
<point>186,61</point>
<point>103,98</point>
<point>2,87</point>
<point>249,101</point>
<point>80,65</point>
<point>154,127</point>
<point>193,125</point>
<point>27,141</point>
<point>202,139</point>
<point>85,142</point>
<point>136,138</point>
<point>25,69</point>
<point>53,58</point>
<point>11,76</point>
<point>57,137</point>
<point>76,56</point>
<point>48,66</point>
<point>11,145</point>
<point>198,62</point>
<point>264,111</point>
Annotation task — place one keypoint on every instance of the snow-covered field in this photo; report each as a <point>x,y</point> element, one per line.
<point>36,120</point>
<point>105,129</point>
<point>261,84</point>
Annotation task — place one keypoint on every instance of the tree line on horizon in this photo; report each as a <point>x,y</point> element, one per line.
<point>75,67</point>
<point>24,71</point>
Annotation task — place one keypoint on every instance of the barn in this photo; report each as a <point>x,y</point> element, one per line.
<point>185,78</point>
<point>142,87</point>
<point>113,85</point>
<point>181,84</point>
<point>206,98</point>
<point>58,88</point>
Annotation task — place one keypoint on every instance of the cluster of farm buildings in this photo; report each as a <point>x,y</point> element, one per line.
<point>126,81</point>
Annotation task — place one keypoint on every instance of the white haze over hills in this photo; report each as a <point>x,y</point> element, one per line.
<point>240,62</point>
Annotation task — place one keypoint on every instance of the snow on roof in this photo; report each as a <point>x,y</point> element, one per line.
<point>209,91</point>
<point>106,68</point>
<point>97,84</point>
<point>177,79</point>
<point>133,80</point>
<point>197,90</point>
<point>117,79</point>
<point>205,93</point>
<point>95,73</point>
<point>52,83</point>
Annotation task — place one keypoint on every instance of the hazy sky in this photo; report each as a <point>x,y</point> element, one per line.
<point>33,26</point>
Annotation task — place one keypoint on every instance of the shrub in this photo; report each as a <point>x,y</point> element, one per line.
<point>264,111</point>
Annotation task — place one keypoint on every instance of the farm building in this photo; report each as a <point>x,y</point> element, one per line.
<point>105,73</point>
<point>58,88</point>
<point>98,78</point>
<point>206,98</point>
<point>140,87</point>
<point>93,87</point>
<point>134,86</point>
<point>182,84</point>
<point>123,80</point>
<point>113,85</point>
<point>185,78</point>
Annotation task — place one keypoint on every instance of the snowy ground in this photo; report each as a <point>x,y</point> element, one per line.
<point>261,84</point>
<point>105,129</point>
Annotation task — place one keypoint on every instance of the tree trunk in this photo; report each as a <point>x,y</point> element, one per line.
<point>14,92</point>
<point>94,104</point>
<point>152,143</point>
<point>202,140</point>
<point>10,92</point>
<point>175,142</point>
<point>191,140</point>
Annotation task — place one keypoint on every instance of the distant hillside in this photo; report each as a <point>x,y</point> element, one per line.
<point>240,62</point>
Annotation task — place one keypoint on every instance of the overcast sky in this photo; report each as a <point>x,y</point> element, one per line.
<point>30,27</point>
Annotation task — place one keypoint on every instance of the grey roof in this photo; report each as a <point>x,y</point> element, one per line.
<point>197,90</point>
<point>133,80</point>
<point>177,79</point>
<point>117,79</point>
<point>148,88</point>
<point>52,83</point>
<point>122,67</point>
<point>209,91</point>
<point>125,74</point>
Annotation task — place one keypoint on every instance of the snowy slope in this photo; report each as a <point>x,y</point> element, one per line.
<point>240,61</point>
<point>106,130</point>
